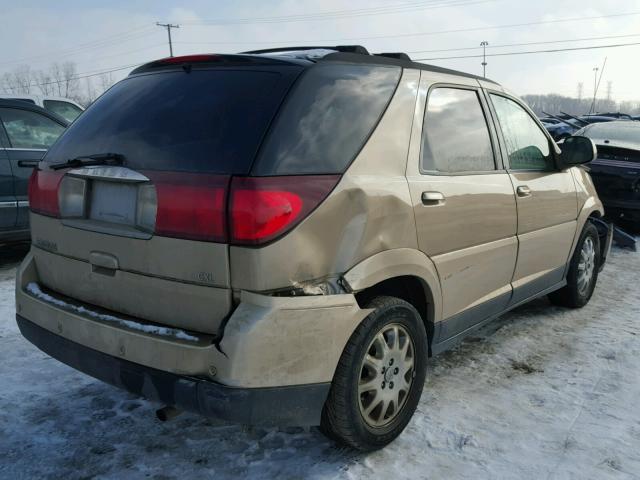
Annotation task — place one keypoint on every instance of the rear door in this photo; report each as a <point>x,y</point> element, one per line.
<point>546,199</point>
<point>30,134</point>
<point>146,236</point>
<point>464,206</point>
<point>7,196</point>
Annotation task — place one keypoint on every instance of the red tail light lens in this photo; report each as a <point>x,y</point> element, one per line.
<point>264,208</point>
<point>191,205</point>
<point>43,192</point>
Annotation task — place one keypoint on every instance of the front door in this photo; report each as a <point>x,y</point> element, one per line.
<point>546,199</point>
<point>7,197</point>
<point>30,134</point>
<point>464,207</point>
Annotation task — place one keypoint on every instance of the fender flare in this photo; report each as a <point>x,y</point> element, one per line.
<point>395,263</point>
<point>591,206</point>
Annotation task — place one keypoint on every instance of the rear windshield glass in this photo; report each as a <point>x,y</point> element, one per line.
<point>198,121</point>
<point>326,119</point>
<point>621,131</point>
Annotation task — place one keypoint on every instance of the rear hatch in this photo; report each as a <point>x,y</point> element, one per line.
<point>129,205</point>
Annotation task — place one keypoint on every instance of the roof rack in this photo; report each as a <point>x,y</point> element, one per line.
<point>396,55</point>
<point>338,48</point>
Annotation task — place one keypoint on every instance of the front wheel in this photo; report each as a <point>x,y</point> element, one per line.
<point>380,377</point>
<point>583,271</point>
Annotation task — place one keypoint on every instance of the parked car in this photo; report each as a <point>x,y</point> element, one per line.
<point>63,107</point>
<point>616,171</point>
<point>291,241</point>
<point>26,132</point>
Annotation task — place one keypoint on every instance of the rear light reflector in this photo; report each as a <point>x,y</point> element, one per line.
<point>188,59</point>
<point>72,197</point>
<point>43,192</point>
<point>190,205</point>
<point>263,208</point>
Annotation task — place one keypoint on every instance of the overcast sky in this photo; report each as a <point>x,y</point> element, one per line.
<point>101,38</point>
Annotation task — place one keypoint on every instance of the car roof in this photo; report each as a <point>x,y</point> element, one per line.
<point>21,105</point>
<point>307,56</point>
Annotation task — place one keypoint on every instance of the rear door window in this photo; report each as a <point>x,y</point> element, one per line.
<point>202,120</point>
<point>455,133</point>
<point>327,118</point>
<point>29,130</point>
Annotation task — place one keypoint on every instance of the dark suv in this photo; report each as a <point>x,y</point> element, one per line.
<point>26,133</point>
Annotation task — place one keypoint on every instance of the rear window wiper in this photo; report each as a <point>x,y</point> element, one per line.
<point>87,160</point>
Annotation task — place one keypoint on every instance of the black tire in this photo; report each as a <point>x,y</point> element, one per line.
<point>571,295</point>
<point>342,419</point>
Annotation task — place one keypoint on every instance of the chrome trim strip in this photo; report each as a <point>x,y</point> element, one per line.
<point>24,149</point>
<point>23,203</point>
<point>102,172</point>
<point>8,204</point>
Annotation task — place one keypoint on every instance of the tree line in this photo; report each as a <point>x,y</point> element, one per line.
<point>554,104</point>
<point>60,79</point>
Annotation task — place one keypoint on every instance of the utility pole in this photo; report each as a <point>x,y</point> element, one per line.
<point>580,91</point>
<point>484,44</point>
<point>609,89</point>
<point>596,84</point>
<point>168,26</point>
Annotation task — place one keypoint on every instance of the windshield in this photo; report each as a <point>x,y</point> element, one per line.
<point>197,121</point>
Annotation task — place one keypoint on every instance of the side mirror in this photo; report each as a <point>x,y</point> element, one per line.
<point>577,151</point>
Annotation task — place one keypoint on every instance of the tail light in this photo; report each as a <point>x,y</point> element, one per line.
<point>190,205</point>
<point>264,208</point>
<point>43,192</point>
<point>195,206</point>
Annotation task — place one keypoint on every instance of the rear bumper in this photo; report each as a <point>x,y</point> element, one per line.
<point>291,405</point>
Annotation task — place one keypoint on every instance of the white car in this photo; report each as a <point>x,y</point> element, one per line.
<point>64,107</point>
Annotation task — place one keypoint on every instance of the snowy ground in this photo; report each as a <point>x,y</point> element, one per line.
<point>543,393</point>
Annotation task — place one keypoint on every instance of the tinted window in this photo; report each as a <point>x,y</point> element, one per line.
<point>66,110</point>
<point>527,145</point>
<point>456,136</point>
<point>28,129</point>
<point>327,118</point>
<point>204,120</point>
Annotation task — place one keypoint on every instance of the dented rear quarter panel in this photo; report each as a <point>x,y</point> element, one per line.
<point>368,212</point>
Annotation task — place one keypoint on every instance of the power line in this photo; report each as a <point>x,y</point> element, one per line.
<point>608,37</point>
<point>85,75</point>
<point>504,54</point>
<point>335,14</point>
<point>96,44</point>
<point>419,34</point>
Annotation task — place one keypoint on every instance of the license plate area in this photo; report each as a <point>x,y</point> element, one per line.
<point>113,202</point>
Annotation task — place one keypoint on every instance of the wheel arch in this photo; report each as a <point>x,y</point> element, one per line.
<point>404,273</point>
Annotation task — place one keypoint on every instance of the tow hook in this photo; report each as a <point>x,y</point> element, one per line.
<point>167,413</point>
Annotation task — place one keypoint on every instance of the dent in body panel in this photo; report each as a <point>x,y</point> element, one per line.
<point>369,211</point>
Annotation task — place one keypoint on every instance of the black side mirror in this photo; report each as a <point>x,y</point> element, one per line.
<point>577,151</point>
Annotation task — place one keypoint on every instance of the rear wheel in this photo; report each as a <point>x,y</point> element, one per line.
<point>583,271</point>
<point>379,379</point>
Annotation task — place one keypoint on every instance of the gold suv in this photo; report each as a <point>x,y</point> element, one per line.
<point>286,236</point>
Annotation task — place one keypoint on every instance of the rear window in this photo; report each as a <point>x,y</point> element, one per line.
<point>66,110</point>
<point>325,121</point>
<point>617,132</point>
<point>203,120</point>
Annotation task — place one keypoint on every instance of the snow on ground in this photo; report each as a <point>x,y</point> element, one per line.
<point>542,393</point>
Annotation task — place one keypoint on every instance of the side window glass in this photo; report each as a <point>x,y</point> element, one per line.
<point>66,110</point>
<point>28,129</point>
<point>527,146</point>
<point>455,134</point>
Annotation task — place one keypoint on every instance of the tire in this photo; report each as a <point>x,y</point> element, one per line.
<point>576,294</point>
<point>344,417</point>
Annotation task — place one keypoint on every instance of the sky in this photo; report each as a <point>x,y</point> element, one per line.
<point>101,36</point>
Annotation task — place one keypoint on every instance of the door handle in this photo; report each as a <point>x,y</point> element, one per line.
<point>432,198</point>
<point>523,191</point>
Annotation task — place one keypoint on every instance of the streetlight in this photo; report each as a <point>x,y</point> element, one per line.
<point>484,44</point>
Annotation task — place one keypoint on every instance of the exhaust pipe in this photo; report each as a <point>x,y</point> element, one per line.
<point>167,413</point>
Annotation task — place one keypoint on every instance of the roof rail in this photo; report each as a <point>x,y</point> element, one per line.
<point>396,55</point>
<point>338,48</point>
